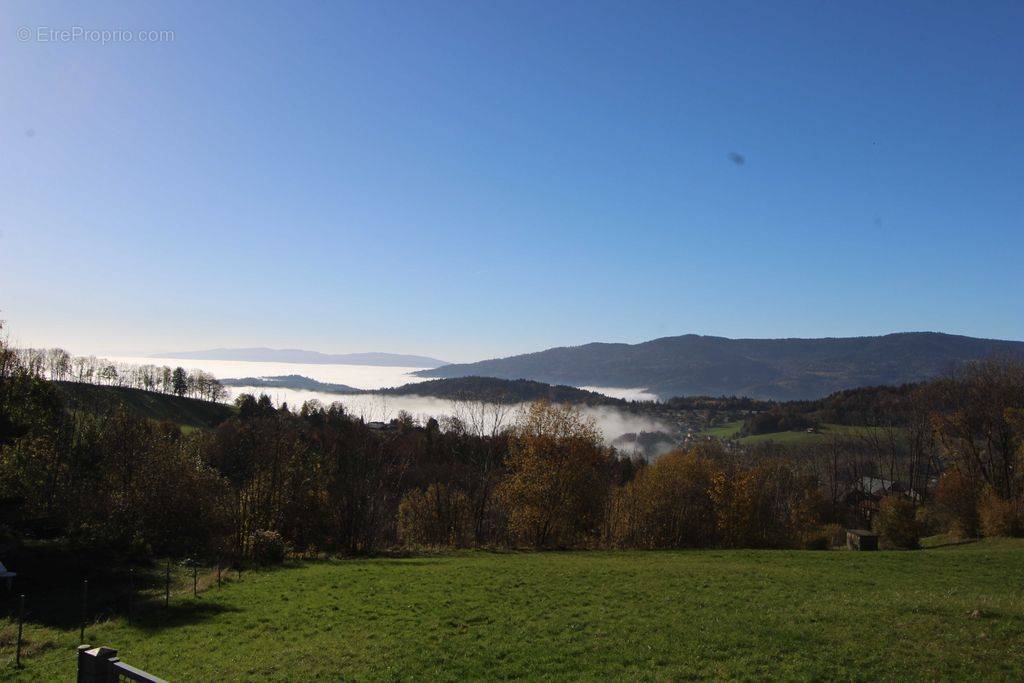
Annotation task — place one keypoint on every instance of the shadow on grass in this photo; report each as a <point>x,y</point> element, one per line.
<point>51,576</point>
<point>951,543</point>
<point>397,562</point>
<point>179,614</point>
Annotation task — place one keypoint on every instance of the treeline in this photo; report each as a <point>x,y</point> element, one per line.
<point>777,419</point>
<point>719,403</point>
<point>858,407</point>
<point>58,365</point>
<point>495,390</point>
<point>317,479</point>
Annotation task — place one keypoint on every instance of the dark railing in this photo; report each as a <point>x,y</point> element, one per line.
<point>101,665</point>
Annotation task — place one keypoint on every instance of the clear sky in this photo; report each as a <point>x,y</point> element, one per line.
<point>471,179</point>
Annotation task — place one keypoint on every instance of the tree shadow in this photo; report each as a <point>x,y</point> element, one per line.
<point>397,562</point>
<point>952,543</point>
<point>187,613</point>
<point>52,578</point>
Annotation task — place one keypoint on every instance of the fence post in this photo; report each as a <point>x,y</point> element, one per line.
<point>195,580</point>
<point>94,664</point>
<point>218,571</point>
<point>85,607</point>
<point>167,585</point>
<point>21,621</point>
<point>131,594</point>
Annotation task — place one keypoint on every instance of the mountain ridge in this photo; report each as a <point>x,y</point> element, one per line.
<point>779,369</point>
<point>263,354</point>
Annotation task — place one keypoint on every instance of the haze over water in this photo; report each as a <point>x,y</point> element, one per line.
<point>379,407</point>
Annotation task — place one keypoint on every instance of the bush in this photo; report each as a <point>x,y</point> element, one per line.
<point>771,505</point>
<point>826,537</point>
<point>268,547</point>
<point>932,519</point>
<point>438,517</point>
<point>836,535</point>
<point>667,505</point>
<point>957,495</point>
<point>817,542</point>
<point>998,517</point>
<point>897,523</point>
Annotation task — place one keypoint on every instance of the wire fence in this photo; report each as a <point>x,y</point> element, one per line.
<point>138,596</point>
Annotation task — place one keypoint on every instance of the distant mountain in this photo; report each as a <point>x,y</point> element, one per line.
<point>290,382</point>
<point>261,354</point>
<point>760,368</point>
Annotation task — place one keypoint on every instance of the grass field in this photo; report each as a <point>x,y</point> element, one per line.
<point>953,612</point>
<point>825,432</point>
<point>725,431</point>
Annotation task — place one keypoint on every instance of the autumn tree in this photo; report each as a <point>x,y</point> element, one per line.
<point>556,489</point>
<point>975,423</point>
<point>768,505</point>
<point>439,516</point>
<point>668,504</point>
<point>896,522</point>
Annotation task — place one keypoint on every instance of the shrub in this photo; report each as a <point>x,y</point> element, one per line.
<point>836,535</point>
<point>817,542</point>
<point>957,495</point>
<point>667,505</point>
<point>438,517</point>
<point>897,523</point>
<point>933,519</point>
<point>770,505</point>
<point>998,517</point>
<point>268,547</point>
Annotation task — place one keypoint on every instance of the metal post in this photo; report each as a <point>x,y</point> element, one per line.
<point>218,572</point>
<point>85,607</point>
<point>131,594</point>
<point>21,621</point>
<point>195,580</point>
<point>167,585</point>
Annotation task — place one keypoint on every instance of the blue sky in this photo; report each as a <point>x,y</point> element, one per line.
<point>468,180</point>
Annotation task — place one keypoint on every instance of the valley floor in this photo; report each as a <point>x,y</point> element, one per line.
<point>952,612</point>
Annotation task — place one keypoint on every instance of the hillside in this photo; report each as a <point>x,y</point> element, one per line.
<point>189,412</point>
<point>781,369</point>
<point>501,391</point>
<point>263,354</point>
<point>290,382</point>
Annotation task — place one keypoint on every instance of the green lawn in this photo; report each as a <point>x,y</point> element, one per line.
<point>725,431</point>
<point>589,615</point>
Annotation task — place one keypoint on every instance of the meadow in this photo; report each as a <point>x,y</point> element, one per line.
<point>948,612</point>
<point>825,432</point>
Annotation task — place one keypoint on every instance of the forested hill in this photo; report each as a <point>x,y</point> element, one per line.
<point>190,412</point>
<point>502,391</point>
<point>781,369</point>
<point>290,382</point>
